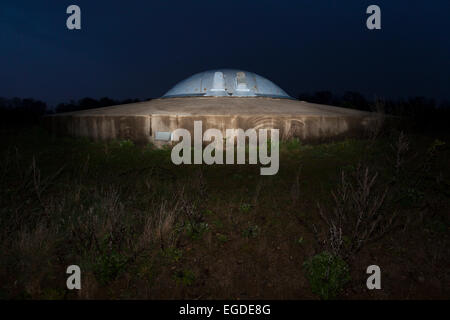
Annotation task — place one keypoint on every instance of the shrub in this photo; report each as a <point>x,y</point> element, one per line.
<point>195,230</point>
<point>185,277</point>
<point>245,207</point>
<point>109,266</point>
<point>359,214</point>
<point>327,274</point>
<point>251,232</point>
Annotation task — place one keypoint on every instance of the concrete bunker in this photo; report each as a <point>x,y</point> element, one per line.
<point>221,99</point>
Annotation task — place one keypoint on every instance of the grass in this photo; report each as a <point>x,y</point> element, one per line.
<point>140,227</point>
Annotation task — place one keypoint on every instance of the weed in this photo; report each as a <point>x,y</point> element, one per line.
<point>245,207</point>
<point>414,196</point>
<point>400,148</point>
<point>108,266</point>
<point>218,223</point>
<point>327,274</point>
<point>185,277</point>
<point>437,226</point>
<point>196,230</point>
<point>251,232</point>
<point>53,294</point>
<point>126,144</point>
<point>173,254</point>
<point>165,230</point>
<point>147,271</point>
<point>292,144</point>
<point>222,238</point>
<point>237,176</point>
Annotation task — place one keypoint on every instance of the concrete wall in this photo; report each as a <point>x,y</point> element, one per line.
<point>142,128</point>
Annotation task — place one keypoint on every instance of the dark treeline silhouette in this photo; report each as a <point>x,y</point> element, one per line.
<point>18,111</point>
<point>89,103</point>
<point>421,114</point>
<point>353,100</point>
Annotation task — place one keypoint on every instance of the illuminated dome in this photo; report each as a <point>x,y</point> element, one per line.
<point>226,83</point>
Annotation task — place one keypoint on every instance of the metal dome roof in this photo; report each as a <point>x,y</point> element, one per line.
<point>226,82</point>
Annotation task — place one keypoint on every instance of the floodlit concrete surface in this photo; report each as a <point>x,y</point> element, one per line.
<point>141,122</point>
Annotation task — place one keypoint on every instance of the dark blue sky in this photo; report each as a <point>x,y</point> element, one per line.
<point>139,49</point>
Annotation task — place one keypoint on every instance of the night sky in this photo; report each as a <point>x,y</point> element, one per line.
<point>139,49</point>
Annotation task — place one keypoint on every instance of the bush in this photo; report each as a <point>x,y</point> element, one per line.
<point>185,277</point>
<point>109,266</point>
<point>327,274</point>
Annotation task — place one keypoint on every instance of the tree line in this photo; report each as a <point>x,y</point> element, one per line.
<point>17,111</point>
<point>424,114</point>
